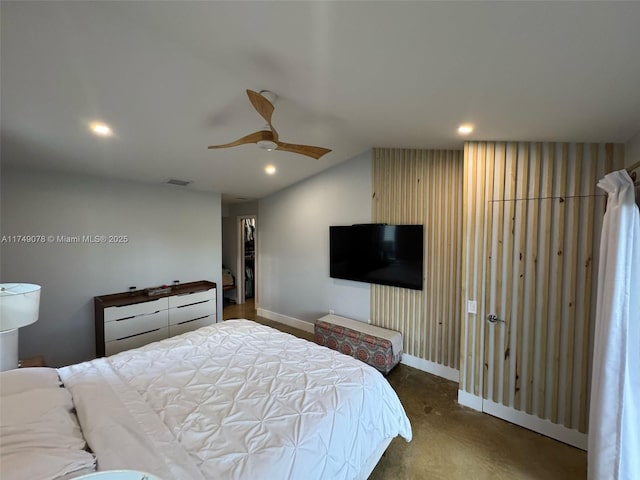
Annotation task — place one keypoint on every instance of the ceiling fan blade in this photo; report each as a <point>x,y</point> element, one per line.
<point>263,106</point>
<point>251,138</point>
<point>308,150</point>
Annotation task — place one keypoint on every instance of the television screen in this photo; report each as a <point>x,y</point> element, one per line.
<point>378,253</point>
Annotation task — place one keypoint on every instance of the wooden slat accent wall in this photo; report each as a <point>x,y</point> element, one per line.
<point>530,253</point>
<point>423,187</point>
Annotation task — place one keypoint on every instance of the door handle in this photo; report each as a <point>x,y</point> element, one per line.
<point>493,318</point>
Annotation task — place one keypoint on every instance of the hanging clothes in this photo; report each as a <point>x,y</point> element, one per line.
<point>249,229</point>
<point>614,416</point>
<point>249,256</point>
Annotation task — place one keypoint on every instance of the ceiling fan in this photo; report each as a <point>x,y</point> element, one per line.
<point>268,138</point>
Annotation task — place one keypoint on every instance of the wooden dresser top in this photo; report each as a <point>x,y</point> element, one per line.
<point>139,296</point>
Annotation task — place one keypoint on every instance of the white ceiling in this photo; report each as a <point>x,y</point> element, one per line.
<point>170,78</point>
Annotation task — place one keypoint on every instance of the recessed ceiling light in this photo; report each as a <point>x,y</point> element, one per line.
<point>465,129</point>
<point>270,169</point>
<point>101,129</point>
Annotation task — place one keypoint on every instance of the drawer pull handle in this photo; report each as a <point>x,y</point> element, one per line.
<point>187,321</point>
<point>190,304</point>
<point>137,334</point>
<point>134,316</point>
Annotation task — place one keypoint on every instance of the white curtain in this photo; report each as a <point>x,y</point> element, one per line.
<point>614,417</point>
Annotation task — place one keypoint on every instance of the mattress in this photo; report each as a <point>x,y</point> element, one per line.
<point>235,400</point>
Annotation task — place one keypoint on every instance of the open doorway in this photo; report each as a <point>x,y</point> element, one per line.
<point>247,260</point>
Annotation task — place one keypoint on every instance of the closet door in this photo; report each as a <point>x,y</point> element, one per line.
<point>540,234</point>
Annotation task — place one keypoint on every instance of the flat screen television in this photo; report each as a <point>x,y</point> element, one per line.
<point>378,253</point>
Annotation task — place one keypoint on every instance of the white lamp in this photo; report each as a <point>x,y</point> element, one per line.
<point>19,307</point>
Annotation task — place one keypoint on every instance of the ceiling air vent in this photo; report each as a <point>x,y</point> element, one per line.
<point>182,183</point>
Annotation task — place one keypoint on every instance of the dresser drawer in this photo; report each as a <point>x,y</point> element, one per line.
<point>136,341</point>
<point>125,311</point>
<point>135,325</point>
<point>189,298</point>
<point>191,312</point>
<point>191,325</point>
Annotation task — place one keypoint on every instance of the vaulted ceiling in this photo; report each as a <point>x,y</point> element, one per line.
<point>170,78</point>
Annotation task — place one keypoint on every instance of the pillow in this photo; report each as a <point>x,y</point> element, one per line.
<point>40,438</point>
<point>22,379</point>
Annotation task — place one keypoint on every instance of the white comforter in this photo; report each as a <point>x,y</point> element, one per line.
<point>235,400</point>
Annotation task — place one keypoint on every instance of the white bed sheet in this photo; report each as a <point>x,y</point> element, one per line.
<point>235,400</point>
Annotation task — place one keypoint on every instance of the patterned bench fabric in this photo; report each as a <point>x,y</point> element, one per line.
<point>377,352</point>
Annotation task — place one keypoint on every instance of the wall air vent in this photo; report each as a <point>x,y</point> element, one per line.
<point>182,183</point>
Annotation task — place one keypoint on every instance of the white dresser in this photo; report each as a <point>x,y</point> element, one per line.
<point>133,319</point>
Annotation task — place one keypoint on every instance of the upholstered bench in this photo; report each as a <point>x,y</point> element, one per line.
<point>379,347</point>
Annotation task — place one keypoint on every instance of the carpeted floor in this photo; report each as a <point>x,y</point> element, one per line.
<point>451,442</point>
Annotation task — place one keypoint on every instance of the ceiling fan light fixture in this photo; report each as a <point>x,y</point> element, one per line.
<point>267,145</point>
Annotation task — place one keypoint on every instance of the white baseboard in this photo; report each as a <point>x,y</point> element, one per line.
<point>526,420</point>
<point>469,400</point>
<point>292,322</point>
<point>537,424</point>
<point>431,367</point>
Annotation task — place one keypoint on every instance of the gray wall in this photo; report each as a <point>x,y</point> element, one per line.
<point>632,150</point>
<point>174,234</point>
<point>293,243</point>
<point>229,243</point>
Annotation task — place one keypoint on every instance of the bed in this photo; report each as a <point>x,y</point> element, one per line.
<point>234,400</point>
